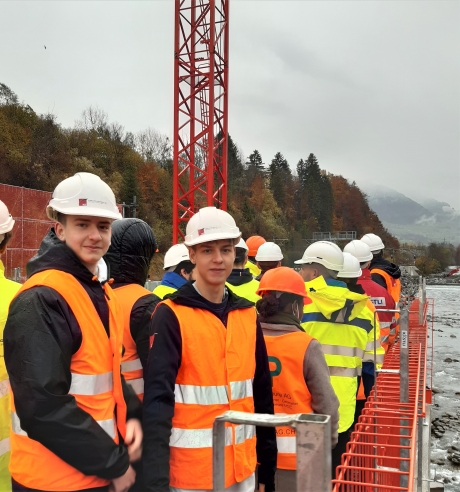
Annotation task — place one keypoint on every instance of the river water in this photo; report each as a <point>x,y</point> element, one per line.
<point>446,382</point>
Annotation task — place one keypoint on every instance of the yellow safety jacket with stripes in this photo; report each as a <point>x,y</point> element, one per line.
<point>215,375</point>
<point>343,323</point>
<point>162,290</point>
<point>96,387</point>
<point>247,290</point>
<point>253,268</point>
<point>131,366</point>
<point>8,290</point>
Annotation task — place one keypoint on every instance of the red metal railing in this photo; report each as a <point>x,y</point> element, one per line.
<point>381,454</point>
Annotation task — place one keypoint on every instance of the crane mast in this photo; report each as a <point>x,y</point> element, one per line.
<point>200,108</point>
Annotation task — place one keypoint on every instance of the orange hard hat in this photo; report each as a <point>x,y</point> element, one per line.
<point>282,279</point>
<point>253,244</point>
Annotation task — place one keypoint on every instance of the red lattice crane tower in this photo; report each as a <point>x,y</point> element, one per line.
<point>200,108</point>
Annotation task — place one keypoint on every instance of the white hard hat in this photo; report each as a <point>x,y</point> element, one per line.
<point>83,194</point>
<point>176,254</point>
<point>374,242</point>
<point>269,252</point>
<point>351,268</point>
<point>6,221</point>
<point>325,253</point>
<point>242,244</point>
<point>210,224</point>
<point>359,249</point>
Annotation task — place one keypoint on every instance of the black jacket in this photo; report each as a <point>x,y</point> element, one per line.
<point>41,335</point>
<point>388,267</point>
<point>240,276</point>
<point>129,256</point>
<point>160,378</point>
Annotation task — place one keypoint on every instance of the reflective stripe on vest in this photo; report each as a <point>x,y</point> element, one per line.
<point>4,387</point>
<point>215,375</point>
<point>131,366</point>
<point>202,438</point>
<point>286,354</point>
<point>95,384</point>
<point>352,336</point>
<point>4,445</point>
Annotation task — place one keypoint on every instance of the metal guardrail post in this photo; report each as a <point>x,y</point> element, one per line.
<point>17,274</point>
<point>313,444</point>
<point>423,452</point>
<point>422,298</point>
<point>404,389</point>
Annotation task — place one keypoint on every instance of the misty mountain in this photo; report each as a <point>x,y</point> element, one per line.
<point>423,221</point>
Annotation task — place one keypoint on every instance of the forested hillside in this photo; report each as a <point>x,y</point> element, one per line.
<point>270,197</point>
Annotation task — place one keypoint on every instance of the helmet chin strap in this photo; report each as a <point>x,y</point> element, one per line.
<point>2,237</point>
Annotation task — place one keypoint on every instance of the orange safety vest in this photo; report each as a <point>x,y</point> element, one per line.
<point>131,366</point>
<point>393,284</point>
<point>286,354</point>
<point>96,387</point>
<point>216,373</point>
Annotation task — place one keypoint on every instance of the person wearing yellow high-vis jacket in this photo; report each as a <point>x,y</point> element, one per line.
<point>178,270</point>
<point>8,290</point>
<point>342,322</point>
<point>240,281</point>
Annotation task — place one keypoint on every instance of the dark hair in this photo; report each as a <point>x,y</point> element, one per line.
<point>240,255</point>
<point>6,240</point>
<point>267,265</point>
<point>378,255</point>
<point>270,305</point>
<point>186,265</point>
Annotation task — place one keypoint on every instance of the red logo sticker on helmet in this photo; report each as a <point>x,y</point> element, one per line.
<point>82,202</point>
<point>200,232</point>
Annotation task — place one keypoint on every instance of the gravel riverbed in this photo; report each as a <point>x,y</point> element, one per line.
<point>445,415</point>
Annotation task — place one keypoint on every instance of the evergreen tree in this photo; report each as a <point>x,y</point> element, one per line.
<point>254,167</point>
<point>279,178</point>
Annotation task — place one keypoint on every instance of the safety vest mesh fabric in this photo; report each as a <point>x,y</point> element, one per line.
<point>216,374</point>
<point>131,366</point>
<point>8,290</point>
<point>253,268</point>
<point>343,335</point>
<point>96,387</point>
<point>393,284</point>
<point>247,290</point>
<point>286,355</point>
<point>162,290</point>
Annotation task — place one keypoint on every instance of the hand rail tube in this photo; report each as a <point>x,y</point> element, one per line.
<point>313,444</point>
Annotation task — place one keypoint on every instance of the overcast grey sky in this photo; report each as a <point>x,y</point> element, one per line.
<point>372,88</point>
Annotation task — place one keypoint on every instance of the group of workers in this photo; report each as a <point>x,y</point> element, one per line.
<point>115,388</point>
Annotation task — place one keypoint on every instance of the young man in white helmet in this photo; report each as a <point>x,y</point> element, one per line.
<point>208,356</point>
<point>178,270</point>
<point>341,321</point>
<point>240,280</point>
<point>8,290</point>
<point>350,274</point>
<point>383,272</point>
<point>268,257</point>
<point>63,349</point>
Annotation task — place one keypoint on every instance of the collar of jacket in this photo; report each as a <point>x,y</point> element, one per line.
<point>2,270</point>
<point>240,276</point>
<point>188,296</point>
<point>332,282</point>
<point>386,266</point>
<point>366,275</point>
<point>282,319</point>
<point>331,299</point>
<point>173,279</point>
